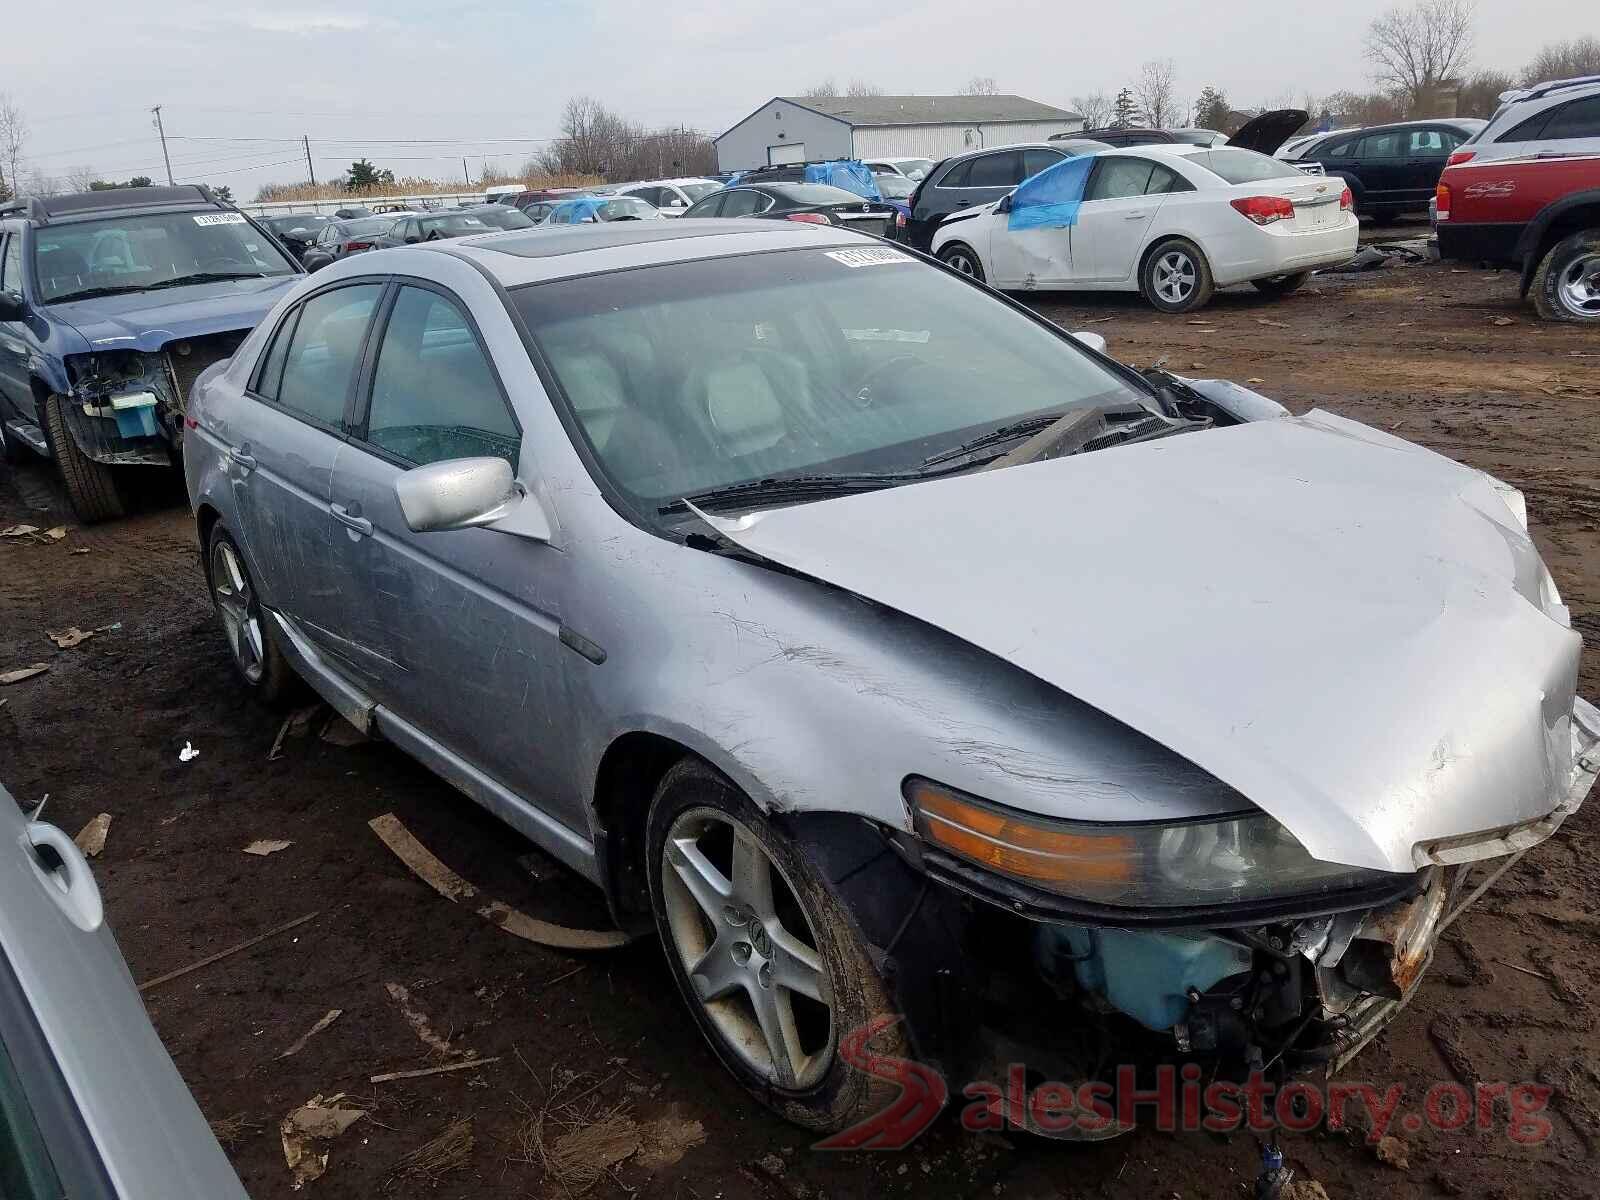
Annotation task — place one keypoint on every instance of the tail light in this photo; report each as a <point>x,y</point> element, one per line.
<point>1264,210</point>
<point>1347,200</point>
<point>899,220</point>
<point>1459,157</point>
<point>352,247</point>
<point>809,218</point>
<point>1441,202</point>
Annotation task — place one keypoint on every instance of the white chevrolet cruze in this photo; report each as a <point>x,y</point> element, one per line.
<point>1171,222</point>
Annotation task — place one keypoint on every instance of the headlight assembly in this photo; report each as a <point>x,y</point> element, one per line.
<point>1212,860</point>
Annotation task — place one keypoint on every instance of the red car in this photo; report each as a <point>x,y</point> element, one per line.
<point>1539,213</point>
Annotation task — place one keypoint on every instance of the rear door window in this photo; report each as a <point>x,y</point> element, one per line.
<point>1379,145</point>
<point>740,204</point>
<point>324,352</point>
<point>1117,178</point>
<point>434,394</point>
<point>996,170</point>
<point>1034,161</point>
<point>956,176</point>
<point>709,207</point>
<point>1580,119</point>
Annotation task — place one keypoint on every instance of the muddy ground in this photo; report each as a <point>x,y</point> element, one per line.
<point>1448,358</point>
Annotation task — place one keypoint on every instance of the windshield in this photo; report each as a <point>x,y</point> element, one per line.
<point>136,252</point>
<point>697,191</point>
<point>453,225</point>
<point>693,376</point>
<point>505,218</point>
<point>627,208</point>
<point>368,226</point>
<point>895,187</point>
<point>816,193</point>
<point>1242,166</point>
<point>915,168</point>
<point>308,225</point>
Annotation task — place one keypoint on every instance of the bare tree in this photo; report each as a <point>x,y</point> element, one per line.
<point>596,141</point>
<point>862,87</point>
<point>981,85</point>
<point>1095,108</point>
<point>1357,108</point>
<point>79,178</point>
<point>1155,94</point>
<point>13,139</point>
<point>1413,50</point>
<point>1480,93</point>
<point>826,90</point>
<point>1564,60</point>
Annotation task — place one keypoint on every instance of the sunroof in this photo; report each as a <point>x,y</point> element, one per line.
<point>547,243</point>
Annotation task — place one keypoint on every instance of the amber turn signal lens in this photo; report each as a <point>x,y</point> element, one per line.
<point>1015,846</point>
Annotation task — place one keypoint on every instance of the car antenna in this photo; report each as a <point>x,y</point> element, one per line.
<point>40,809</point>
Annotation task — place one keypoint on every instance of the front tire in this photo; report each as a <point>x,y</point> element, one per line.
<point>256,657</point>
<point>766,957</point>
<point>90,485</point>
<point>1566,287</point>
<point>1281,285</point>
<point>1176,277</point>
<point>963,260</point>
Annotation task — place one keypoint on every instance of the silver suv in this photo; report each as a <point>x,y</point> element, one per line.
<point>1551,120</point>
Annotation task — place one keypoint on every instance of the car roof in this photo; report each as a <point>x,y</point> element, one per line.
<point>535,256</point>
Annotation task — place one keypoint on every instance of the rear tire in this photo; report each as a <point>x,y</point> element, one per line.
<point>1281,285</point>
<point>1176,278</point>
<point>963,260</point>
<point>260,664</point>
<point>1566,287</point>
<point>91,486</point>
<point>735,899</point>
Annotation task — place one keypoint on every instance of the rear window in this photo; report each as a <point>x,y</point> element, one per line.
<point>1241,166</point>
<point>1580,119</point>
<point>370,225</point>
<point>817,193</point>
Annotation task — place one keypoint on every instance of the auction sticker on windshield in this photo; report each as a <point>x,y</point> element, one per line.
<point>872,257</point>
<point>219,219</point>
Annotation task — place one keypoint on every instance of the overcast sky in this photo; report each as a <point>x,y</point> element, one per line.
<point>490,78</point>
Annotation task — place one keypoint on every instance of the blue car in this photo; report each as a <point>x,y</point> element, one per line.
<point>112,303</point>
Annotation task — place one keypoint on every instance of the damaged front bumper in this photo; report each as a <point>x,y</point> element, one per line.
<point>1295,984</point>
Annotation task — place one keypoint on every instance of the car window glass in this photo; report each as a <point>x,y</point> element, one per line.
<point>325,351</point>
<point>956,176</point>
<point>1430,142</point>
<point>1341,149</point>
<point>1163,180</point>
<point>1379,145</point>
<point>434,395</point>
<point>1530,130</point>
<point>11,270</point>
<point>709,207</point>
<point>740,203</point>
<point>996,170</point>
<point>26,1172</point>
<point>1034,161</point>
<point>271,375</point>
<point>1115,178</point>
<point>1580,119</point>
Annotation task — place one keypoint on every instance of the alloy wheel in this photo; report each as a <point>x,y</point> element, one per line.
<point>241,617</point>
<point>748,947</point>
<point>961,263</point>
<point>1579,286</point>
<point>1175,276</point>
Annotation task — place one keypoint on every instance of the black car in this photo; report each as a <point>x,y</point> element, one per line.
<point>1391,169</point>
<point>434,227</point>
<point>816,202</point>
<point>297,231</point>
<point>501,216</point>
<point>340,237</point>
<point>976,177</point>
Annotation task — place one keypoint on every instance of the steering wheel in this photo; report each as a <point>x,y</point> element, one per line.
<point>864,396</point>
<point>221,260</point>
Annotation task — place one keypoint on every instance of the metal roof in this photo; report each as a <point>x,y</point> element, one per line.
<point>931,110</point>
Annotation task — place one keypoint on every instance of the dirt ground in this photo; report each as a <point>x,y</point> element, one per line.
<point>1445,357</point>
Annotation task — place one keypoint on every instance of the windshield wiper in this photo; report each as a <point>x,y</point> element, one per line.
<point>789,487</point>
<point>203,277</point>
<point>116,289</point>
<point>994,437</point>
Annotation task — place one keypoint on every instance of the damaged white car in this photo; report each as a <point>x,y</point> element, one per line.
<point>891,651</point>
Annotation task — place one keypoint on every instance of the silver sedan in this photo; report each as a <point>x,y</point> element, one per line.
<point>889,650</point>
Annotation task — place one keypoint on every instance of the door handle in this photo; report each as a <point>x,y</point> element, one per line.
<point>343,515</point>
<point>65,875</point>
<point>1135,216</point>
<point>243,460</point>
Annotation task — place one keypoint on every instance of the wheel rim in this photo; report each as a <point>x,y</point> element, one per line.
<point>236,604</point>
<point>1175,277</point>
<point>1579,286</point>
<point>748,947</point>
<point>961,264</point>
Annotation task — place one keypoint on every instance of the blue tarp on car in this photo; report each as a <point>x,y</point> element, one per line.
<point>848,174</point>
<point>578,209</point>
<point>1051,198</point>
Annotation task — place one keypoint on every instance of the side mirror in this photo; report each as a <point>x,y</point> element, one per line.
<point>676,203</point>
<point>456,494</point>
<point>11,307</point>
<point>1092,340</point>
<point>1005,203</point>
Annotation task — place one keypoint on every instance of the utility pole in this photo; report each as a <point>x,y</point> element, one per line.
<point>464,173</point>
<point>310,170</point>
<point>162,131</point>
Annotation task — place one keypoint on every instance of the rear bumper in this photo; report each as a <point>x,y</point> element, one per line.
<point>1271,252</point>
<point>1482,241</point>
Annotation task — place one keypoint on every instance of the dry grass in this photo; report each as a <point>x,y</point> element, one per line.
<point>409,187</point>
<point>576,1138</point>
<point>230,1131</point>
<point>430,1162</point>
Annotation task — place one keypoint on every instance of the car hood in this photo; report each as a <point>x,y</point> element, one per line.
<point>1264,134</point>
<point>1350,630</point>
<point>149,320</point>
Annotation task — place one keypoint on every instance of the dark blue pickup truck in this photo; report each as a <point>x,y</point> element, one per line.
<point>111,304</point>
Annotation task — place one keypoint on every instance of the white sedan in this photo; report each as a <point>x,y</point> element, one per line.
<point>1172,222</point>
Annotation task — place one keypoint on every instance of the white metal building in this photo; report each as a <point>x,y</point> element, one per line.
<point>788,129</point>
